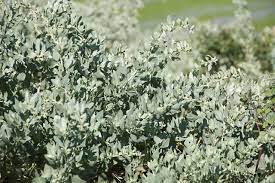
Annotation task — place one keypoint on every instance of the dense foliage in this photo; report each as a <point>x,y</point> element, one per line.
<point>77,104</point>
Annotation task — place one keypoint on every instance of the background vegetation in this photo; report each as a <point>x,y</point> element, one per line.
<point>218,11</point>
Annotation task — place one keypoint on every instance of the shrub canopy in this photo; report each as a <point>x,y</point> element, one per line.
<point>75,108</point>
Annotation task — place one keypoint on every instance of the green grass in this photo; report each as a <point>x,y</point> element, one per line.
<point>158,10</point>
<point>267,21</point>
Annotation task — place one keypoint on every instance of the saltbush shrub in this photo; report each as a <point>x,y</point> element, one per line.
<point>237,44</point>
<point>74,109</point>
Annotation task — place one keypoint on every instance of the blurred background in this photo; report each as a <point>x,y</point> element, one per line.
<point>216,11</point>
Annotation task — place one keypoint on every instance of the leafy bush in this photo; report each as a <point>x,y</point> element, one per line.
<point>114,20</point>
<point>74,109</point>
<point>238,45</point>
